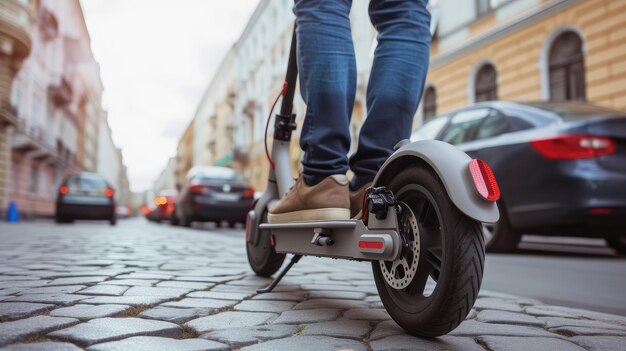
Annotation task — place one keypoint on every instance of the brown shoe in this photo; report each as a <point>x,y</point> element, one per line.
<point>356,199</point>
<point>327,200</point>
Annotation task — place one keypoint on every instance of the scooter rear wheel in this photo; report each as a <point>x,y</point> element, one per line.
<point>442,246</point>
<point>262,257</point>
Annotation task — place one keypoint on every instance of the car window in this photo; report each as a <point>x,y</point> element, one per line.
<point>494,125</point>
<point>86,182</point>
<point>464,126</point>
<point>517,124</point>
<point>213,178</point>
<point>430,129</point>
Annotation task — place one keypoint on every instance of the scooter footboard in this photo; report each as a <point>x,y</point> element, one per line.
<point>338,239</point>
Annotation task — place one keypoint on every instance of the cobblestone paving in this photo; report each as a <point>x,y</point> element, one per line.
<point>142,286</point>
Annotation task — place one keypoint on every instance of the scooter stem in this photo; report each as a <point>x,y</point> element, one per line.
<point>285,124</point>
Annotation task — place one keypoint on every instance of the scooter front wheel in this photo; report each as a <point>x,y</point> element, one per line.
<point>262,257</point>
<point>432,287</point>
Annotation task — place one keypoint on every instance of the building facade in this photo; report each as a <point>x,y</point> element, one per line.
<point>167,178</point>
<point>110,163</point>
<point>17,19</point>
<point>213,122</point>
<point>184,155</point>
<point>551,50</point>
<point>57,93</point>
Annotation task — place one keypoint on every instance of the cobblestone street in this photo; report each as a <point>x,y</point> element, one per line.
<point>142,286</point>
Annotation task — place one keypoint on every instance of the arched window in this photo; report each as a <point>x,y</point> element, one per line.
<point>485,85</point>
<point>430,103</point>
<point>567,68</point>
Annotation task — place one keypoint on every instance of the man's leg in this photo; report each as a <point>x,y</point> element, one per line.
<point>328,83</point>
<point>396,82</point>
<point>327,70</point>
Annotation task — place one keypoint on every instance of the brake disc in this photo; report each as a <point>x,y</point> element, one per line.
<point>399,273</point>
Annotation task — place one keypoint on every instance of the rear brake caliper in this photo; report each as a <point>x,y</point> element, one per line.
<point>379,200</point>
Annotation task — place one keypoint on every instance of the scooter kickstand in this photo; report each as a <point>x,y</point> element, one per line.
<point>280,276</point>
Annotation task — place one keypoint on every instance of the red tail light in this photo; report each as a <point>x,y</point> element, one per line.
<point>371,245</point>
<point>108,192</point>
<point>198,189</point>
<point>248,192</point>
<point>63,190</point>
<point>161,200</point>
<point>574,146</point>
<point>484,180</point>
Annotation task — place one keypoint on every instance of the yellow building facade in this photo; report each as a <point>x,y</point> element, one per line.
<point>518,47</point>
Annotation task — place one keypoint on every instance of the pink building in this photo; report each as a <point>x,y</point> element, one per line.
<point>57,94</point>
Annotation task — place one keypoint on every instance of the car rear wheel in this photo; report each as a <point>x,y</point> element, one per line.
<point>618,243</point>
<point>184,221</point>
<point>500,237</point>
<point>113,220</point>
<point>174,220</point>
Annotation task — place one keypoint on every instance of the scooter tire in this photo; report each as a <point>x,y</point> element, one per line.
<point>262,257</point>
<point>461,253</point>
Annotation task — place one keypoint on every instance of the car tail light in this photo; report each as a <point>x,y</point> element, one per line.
<point>574,146</point>
<point>161,200</point>
<point>248,192</point>
<point>484,180</point>
<point>108,192</point>
<point>63,190</point>
<point>600,211</point>
<point>198,189</point>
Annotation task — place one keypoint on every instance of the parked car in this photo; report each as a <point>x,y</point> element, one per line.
<point>85,196</point>
<point>150,212</point>
<point>213,194</point>
<point>561,167</point>
<point>165,202</point>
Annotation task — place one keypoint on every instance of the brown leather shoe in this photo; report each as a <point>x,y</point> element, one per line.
<point>356,199</point>
<point>327,200</point>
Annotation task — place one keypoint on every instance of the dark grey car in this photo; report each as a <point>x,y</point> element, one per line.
<point>213,194</point>
<point>85,196</point>
<point>561,167</point>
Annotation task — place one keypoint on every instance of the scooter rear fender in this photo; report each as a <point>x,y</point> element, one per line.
<point>452,166</point>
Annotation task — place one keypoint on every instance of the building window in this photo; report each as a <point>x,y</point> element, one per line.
<point>33,180</point>
<point>430,103</point>
<point>567,68</point>
<point>486,84</point>
<point>482,7</point>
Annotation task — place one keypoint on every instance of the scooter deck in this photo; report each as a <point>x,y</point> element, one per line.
<point>348,239</point>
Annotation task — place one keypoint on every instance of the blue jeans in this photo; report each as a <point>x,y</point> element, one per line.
<point>327,70</point>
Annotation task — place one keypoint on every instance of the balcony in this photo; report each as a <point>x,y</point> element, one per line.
<point>48,25</point>
<point>35,140</point>
<point>16,22</point>
<point>8,114</point>
<point>61,93</point>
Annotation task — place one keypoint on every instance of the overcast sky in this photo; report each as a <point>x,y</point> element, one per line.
<point>156,58</point>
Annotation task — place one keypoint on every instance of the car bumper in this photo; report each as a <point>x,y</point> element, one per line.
<point>220,211</point>
<point>586,200</point>
<point>75,211</point>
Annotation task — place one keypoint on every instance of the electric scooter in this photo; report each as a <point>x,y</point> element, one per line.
<point>419,226</point>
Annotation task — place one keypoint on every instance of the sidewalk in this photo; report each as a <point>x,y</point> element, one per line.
<point>142,286</point>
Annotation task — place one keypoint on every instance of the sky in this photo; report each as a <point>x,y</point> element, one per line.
<point>156,58</point>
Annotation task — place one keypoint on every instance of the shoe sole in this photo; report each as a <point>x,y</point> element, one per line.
<point>321,214</point>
